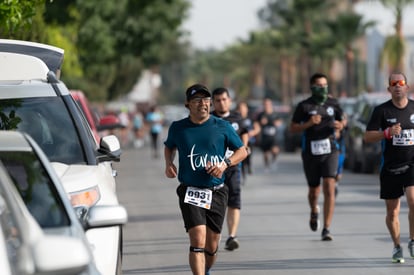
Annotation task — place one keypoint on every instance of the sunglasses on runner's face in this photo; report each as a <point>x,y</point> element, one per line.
<point>395,82</point>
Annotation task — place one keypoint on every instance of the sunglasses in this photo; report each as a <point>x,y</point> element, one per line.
<point>394,83</point>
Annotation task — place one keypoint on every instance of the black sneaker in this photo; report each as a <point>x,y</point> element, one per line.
<point>326,235</point>
<point>231,244</point>
<point>314,220</point>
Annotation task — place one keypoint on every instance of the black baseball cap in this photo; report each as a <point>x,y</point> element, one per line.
<point>197,89</point>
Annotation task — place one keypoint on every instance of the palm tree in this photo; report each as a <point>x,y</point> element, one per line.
<point>346,28</point>
<point>393,51</point>
<point>297,21</point>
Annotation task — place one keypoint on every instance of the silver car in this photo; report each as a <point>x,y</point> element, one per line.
<point>43,193</point>
<point>25,249</point>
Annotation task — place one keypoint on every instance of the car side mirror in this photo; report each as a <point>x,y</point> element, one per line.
<point>106,216</point>
<point>110,149</point>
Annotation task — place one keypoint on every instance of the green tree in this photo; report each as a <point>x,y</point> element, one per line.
<point>117,39</point>
<point>394,48</point>
<point>16,16</point>
<point>302,29</point>
<point>346,29</point>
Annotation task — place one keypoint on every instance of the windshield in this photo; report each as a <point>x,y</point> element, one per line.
<point>36,188</point>
<point>46,121</point>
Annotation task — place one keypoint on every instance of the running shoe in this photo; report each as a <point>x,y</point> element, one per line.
<point>326,235</point>
<point>411,248</point>
<point>397,255</point>
<point>314,220</point>
<point>231,244</point>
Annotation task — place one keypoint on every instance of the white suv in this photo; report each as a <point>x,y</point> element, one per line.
<point>34,100</point>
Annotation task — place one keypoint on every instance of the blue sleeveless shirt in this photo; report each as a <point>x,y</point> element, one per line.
<point>198,144</point>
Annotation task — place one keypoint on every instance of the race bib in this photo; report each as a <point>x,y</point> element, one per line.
<point>198,197</point>
<point>269,130</point>
<point>405,138</point>
<point>321,147</point>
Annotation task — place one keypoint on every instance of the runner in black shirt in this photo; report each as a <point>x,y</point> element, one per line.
<point>392,123</point>
<point>269,122</point>
<point>222,104</point>
<point>318,117</point>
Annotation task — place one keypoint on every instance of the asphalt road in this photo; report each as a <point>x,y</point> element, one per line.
<point>274,232</point>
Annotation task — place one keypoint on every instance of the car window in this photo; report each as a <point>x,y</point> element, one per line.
<point>46,121</point>
<point>366,113</point>
<point>36,188</point>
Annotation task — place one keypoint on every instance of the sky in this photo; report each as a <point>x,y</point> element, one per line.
<point>373,10</point>
<point>219,23</point>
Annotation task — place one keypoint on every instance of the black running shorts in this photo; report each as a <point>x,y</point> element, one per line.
<point>194,215</point>
<point>393,186</point>
<point>233,181</point>
<point>317,167</point>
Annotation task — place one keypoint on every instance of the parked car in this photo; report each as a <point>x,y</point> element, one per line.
<point>348,105</point>
<point>40,188</point>
<point>360,156</point>
<point>96,122</point>
<point>25,249</point>
<point>44,195</point>
<point>34,100</point>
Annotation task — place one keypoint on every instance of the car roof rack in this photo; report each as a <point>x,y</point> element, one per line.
<point>15,66</point>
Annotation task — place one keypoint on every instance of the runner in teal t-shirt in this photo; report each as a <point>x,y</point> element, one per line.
<point>201,142</point>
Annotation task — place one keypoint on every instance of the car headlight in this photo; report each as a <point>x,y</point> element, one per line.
<point>85,198</point>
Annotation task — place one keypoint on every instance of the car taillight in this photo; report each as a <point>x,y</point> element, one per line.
<point>86,198</point>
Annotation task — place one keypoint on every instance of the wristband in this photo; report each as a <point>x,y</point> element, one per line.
<point>387,133</point>
<point>228,162</point>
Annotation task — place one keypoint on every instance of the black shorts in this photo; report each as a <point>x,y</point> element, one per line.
<point>233,181</point>
<point>393,186</point>
<point>194,215</point>
<point>267,143</point>
<point>317,167</point>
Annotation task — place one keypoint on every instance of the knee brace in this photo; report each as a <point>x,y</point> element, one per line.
<point>211,254</point>
<point>196,249</point>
